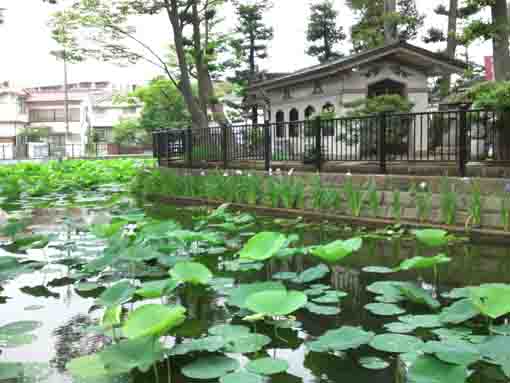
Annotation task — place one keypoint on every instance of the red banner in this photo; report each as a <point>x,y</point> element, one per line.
<point>489,68</point>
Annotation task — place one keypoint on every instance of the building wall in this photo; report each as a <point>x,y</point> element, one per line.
<point>13,114</point>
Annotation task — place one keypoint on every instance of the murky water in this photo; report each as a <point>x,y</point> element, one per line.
<point>49,295</point>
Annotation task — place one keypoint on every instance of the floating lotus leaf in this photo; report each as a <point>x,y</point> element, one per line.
<point>453,333</point>
<point>191,272</point>
<point>432,237</point>
<point>207,344</point>
<point>459,312</point>
<point>501,330</point>
<point>312,274</point>
<point>247,344</point>
<point>342,339</point>
<point>239,295</point>
<point>336,251</point>
<point>322,310</point>
<point>229,332</point>
<point>399,327</point>
<point>384,309</point>
<point>11,371</point>
<point>417,295</point>
<point>495,348</point>
<point>423,262</point>
<point>462,292</point>
<point>492,300</point>
<point>262,246</point>
<point>390,290</point>
<point>153,320</point>
<point>87,286</point>
<point>374,363</point>
<point>421,321</point>
<point>87,367</point>
<point>377,270</point>
<point>157,289</point>
<point>427,369</point>
<point>396,343</point>
<point>16,334</point>
<point>210,367</point>
<point>140,353</point>
<point>276,302</point>
<point>118,294</point>
<point>453,351</point>
<point>267,366</point>
<point>330,297</point>
<point>285,276</point>
<point>242,377</point>
<point>111,317</point>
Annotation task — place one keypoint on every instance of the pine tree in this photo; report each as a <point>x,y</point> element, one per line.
<point>323,32</point>
<point>383,21</point>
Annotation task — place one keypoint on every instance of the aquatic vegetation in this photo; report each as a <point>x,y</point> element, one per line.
<point>423,199</point>
<point>475,205</point>
<point>448,202</point>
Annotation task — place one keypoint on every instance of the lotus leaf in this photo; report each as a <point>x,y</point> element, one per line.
<point>247,344</point>
<point>459,312</point>
<point>276,302</point>
<point>239,295</point>
<point>396,343</point>
<point>342,339</point>
<point>492,300</point>
<point>399,327</point>
<point>374,363</point>
<point>417,295</point>
<point>191,272</point>
<point>330,297</point>
<point>384,309</point>
<point>244,377</point>
<point>377,270</point>
<point>267,366</point>
<point>229,332</point>
<point>322,310</point>
<point>16,334</point>
<point>432,237</point>
<point>336,251</point>
<point>262,246</point>
<point>11,371</point>
<point>87,367</point>
<point>453,351</point>
<point>421,321</point>
<point>423,262</point>
<point>210,367</point>
<point>153,320</point>
<point>111,317</point>
<point>285,276</point>
<point>207,344</point>
<point>312,274</point>
<point>427,369</point>
<point>157,289</point>
<point>117,294</point>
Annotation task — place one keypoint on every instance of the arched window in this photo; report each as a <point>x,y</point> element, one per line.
<point>293,125</point>
<point>309,112</point>
<point>280,124</point>
<point>328,126</point>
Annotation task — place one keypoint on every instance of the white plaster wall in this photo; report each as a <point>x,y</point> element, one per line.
<point>9,110</point>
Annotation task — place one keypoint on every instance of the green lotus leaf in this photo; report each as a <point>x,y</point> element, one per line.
<point>427,369</point>
<point>11,371</point>
<point>421,321</point>
<point>377,270</point>
<point>210,367</point>
<point>247,344</point>
<point>396,343</point>
<point>111,317</point>
<point>417,295</point>
<point>453,333</point>
<point>87,367</point>
<point>495,348</point>
<point>453,351</point>
<point>492,300</point>
<point>17,334</point>
<point>322,310</point>
<point>242,377</point>
<point>342,339</point>
<point>117,294</point>
<point>191,272</point>
<point>140,353</point>
<point>312,274</point>
<point>267,366</point>
<point>336,251</point>
<point>276,302</point>
<point>262,246</point>
<point>432,237</point>
<point>459,312</point>
<point>330,297</point>
<point>240,294</point>
<point>400,328</point>
<point>157,289</point>
<point>153,320</point>
<point>374,363</point>
<point>207,344</point>
<point>285,276</point>
<point>390,290</point>
<point>229,332</point>
<point>423,262</point>
<point>503,329</point>
<point>384,309</point>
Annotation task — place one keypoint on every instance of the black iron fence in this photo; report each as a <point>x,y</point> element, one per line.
<point>456,136</point>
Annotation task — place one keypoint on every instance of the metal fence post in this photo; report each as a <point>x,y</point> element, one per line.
<point>383,121</point>
<point>267,145</point>
<point>189,147</point>
<point>224,144</point>
<point>462,131</point>
<point>318,142</point>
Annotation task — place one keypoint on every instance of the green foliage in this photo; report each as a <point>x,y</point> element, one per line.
<point>323,32</point>
<point>373,105</point>
<point>448,202</point>
<point>130,132</point>
<point>336,251</point>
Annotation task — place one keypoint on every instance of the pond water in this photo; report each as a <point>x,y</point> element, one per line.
<point>61,299</point>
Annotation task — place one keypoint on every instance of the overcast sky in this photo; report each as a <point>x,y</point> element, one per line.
<point>25,42</point>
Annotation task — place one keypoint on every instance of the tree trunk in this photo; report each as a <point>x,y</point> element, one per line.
<point>451,45</point>
<point>198,117</point>
<point>390,28</point>
<point>500,42</point>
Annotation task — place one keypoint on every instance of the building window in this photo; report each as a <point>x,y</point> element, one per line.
<point>54,115</point>
<point>317,87</point>
<point>280,124</point>
<point>294,124</point>
<point>286,94</point>
<point>22,108</point>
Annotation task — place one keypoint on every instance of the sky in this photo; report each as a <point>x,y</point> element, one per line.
<point>26,43</point>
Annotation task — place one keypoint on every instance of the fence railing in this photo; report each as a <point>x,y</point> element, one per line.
<point>41,151</point>
<point>457,136</point>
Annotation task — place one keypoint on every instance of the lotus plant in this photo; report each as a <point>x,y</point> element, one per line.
<point>505,208</point>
